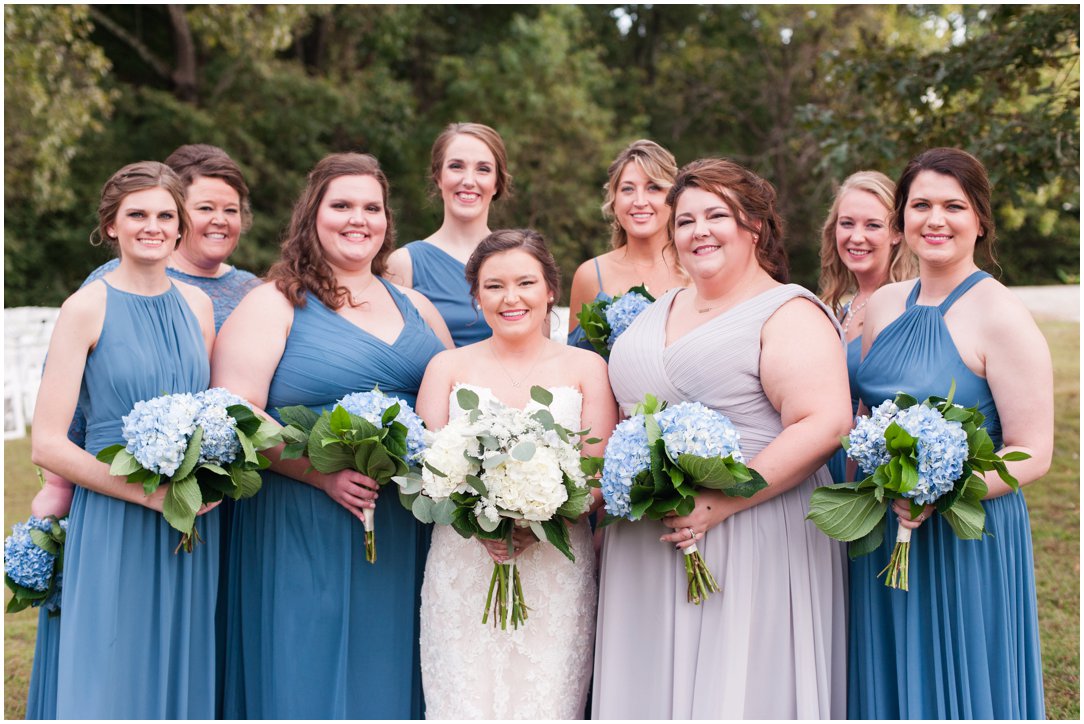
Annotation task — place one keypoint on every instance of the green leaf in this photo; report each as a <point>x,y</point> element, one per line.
<point>244,419</point>
<point>494,461</point>
<point>299,417</point>
<point>390,414</point>
<point>373,460</point>
<point>410,483</point>
<point>467,399</point>
<point>44,541</point>
<point>443,511</point>
<point>541,395</point>
<point>486,524</point>
<point>523,451</point>
<point>578,502</point>
<point>106,454</point>
<point>477,485</point>
<point>331,458</point>
<point>1015,456</point>
<point>843,513</point>
<point>339,421</point>
<point>967,518</point>
<point>904,401</point>
<point>247,447</point>
<point>557,534</point>
<point>246,482</point>
<point>191,456</point>
<point>654,432</point>
<point>869,542</point>
<point>124,463</point>
<point>908,475</point>
<point>182,500</point>
<point>423,509</point>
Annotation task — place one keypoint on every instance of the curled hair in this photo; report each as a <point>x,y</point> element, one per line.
<point>195,160</point>
<point>134,177</point>
<point>529,241</point>
<point>656,162</point>
<point>751,198</point>
<point>301,266</point>
<point>836,279</point>
<point>486,135</point>
<point>969,173</point>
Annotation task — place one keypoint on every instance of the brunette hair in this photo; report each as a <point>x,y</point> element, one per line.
<point>486,135</point>
<point>751,198</point>
<point>301,266</point>
<point>656,162</point>
<point>529,241</point>
<point>134,177</point>
<point>969,173</point>
<point>836,279</point>
<point>194,160</point>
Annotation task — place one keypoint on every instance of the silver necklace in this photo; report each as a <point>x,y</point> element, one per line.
<point>513,380</point>
<point>852,312</point>
<point>355,297</point>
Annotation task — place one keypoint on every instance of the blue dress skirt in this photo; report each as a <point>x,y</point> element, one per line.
<point>314,631</point>
<point>442,279</point>
<point>963,642</point>
<point>138,634</point>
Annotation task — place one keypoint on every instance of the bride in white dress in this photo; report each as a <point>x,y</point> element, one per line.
<point>543,669</point>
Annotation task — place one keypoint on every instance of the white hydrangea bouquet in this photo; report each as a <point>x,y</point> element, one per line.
<point>656,461</point>
<point>375,434</point>
<point>929,453</point>
<point>205,445</point>
<point>603,321</point>
<point>34,563</point>
<point>496,468</point>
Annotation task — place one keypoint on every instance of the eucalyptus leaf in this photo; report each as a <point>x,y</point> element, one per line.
<point>422,507</point>
<point>477,485</point>
<point>486,524</point>
<point>541,395</point>
<point>467,399</point>
<point>443,512</point>
<point>523,451</point>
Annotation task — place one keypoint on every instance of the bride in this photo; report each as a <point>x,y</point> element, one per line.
<point>542,670</point>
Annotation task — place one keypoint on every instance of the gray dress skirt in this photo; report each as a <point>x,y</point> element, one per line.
<point>772,643</point>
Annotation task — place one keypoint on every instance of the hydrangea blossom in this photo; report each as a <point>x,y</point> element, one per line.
<point>533,488</point>
<point>941,448</point>
<point>867,439</point>
<point>625,457</point>
<point>220,445</point>
<point>622,312</point>
<point>157,431</point>
<point>24,562</point>
<point>693,429</point>
<point>371,406</point>
<point>445,452</point>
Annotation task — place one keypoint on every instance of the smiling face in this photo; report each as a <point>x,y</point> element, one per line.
<point>351,222</point>
<point>468,178</point>
<point>864,240</point>
<point>939,223</point>
<point>146,226</point>
<point>708,237</point>
<point>215,210</point>
<point>640,203</point>
<point>513,293</point>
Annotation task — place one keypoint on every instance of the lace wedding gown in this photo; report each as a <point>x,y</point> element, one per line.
<point>472,670</point>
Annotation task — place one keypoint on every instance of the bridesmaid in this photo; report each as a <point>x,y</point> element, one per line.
<point>859,254</point>
<point>638,212</point>
<point>963,642</point>
<point>138,634</point>
<point>770,645</point>
<point>469,169</point>
<point>313,631</point>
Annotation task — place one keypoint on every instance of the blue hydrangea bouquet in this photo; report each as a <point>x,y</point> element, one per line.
<point>34,562</point>
<point>205,445</point>
<point>375,434</point>
<point>930,454</point>
<point>658,460</point>
<point>603,321</point>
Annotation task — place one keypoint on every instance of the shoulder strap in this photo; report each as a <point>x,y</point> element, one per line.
<point>598,274</point>
<point>962,289</point>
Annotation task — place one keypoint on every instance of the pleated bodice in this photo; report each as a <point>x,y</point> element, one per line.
<point>441,278</point>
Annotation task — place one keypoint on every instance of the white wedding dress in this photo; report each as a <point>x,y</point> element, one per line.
<point>472,670</point>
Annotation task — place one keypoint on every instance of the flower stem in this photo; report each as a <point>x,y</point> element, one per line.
<point>899,561</point>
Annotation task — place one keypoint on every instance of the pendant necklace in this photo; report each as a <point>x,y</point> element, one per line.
<point>355,297</point>
<point>852,312</point>
<point>515,383</point>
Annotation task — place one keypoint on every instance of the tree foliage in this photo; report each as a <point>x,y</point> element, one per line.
<point>802,94</point>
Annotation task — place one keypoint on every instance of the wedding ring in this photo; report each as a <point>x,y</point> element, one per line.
<point>690,532</point>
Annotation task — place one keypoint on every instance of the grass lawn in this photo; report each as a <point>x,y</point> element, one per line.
<point>1055,522</point>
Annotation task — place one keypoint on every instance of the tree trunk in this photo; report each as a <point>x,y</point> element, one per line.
<point>184,75</point>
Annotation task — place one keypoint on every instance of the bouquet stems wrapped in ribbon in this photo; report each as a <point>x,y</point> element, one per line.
<point>34,563</point>
<point>492,470</point>
<point>603,321</point>
<point>206,446</point>
<point>928,453</point>
<point>658,460</point>
<point>378,435</point>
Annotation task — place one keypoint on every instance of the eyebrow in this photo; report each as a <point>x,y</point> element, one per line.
<point>520,278</point>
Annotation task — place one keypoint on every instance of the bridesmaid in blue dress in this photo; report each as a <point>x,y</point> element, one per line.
<point>217,202</point>
<point>469,169</point>
<point>963,642</point>
<point>315,632</point>
<point>641,253</point>
<point>138,635</point>
<point>859,254</point>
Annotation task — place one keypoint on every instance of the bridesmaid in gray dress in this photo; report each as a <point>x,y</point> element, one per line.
<point>771,644</point>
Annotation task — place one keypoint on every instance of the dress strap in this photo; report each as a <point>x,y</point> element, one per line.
<point>913,296</point>
<point>962,289</point>
<point>598,273</point>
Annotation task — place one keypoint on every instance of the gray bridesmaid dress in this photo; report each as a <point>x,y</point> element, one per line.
<point>772,644</point>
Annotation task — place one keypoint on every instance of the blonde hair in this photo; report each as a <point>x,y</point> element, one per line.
<point>836,280</point>
<point>656,162</point>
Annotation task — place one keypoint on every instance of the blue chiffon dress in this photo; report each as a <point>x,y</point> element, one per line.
<point>138,635</point>
<point>314,631</point>
<point>837,464</point>
<point>441,278</point>
<point>576,338</point>
<point>963,642</point>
